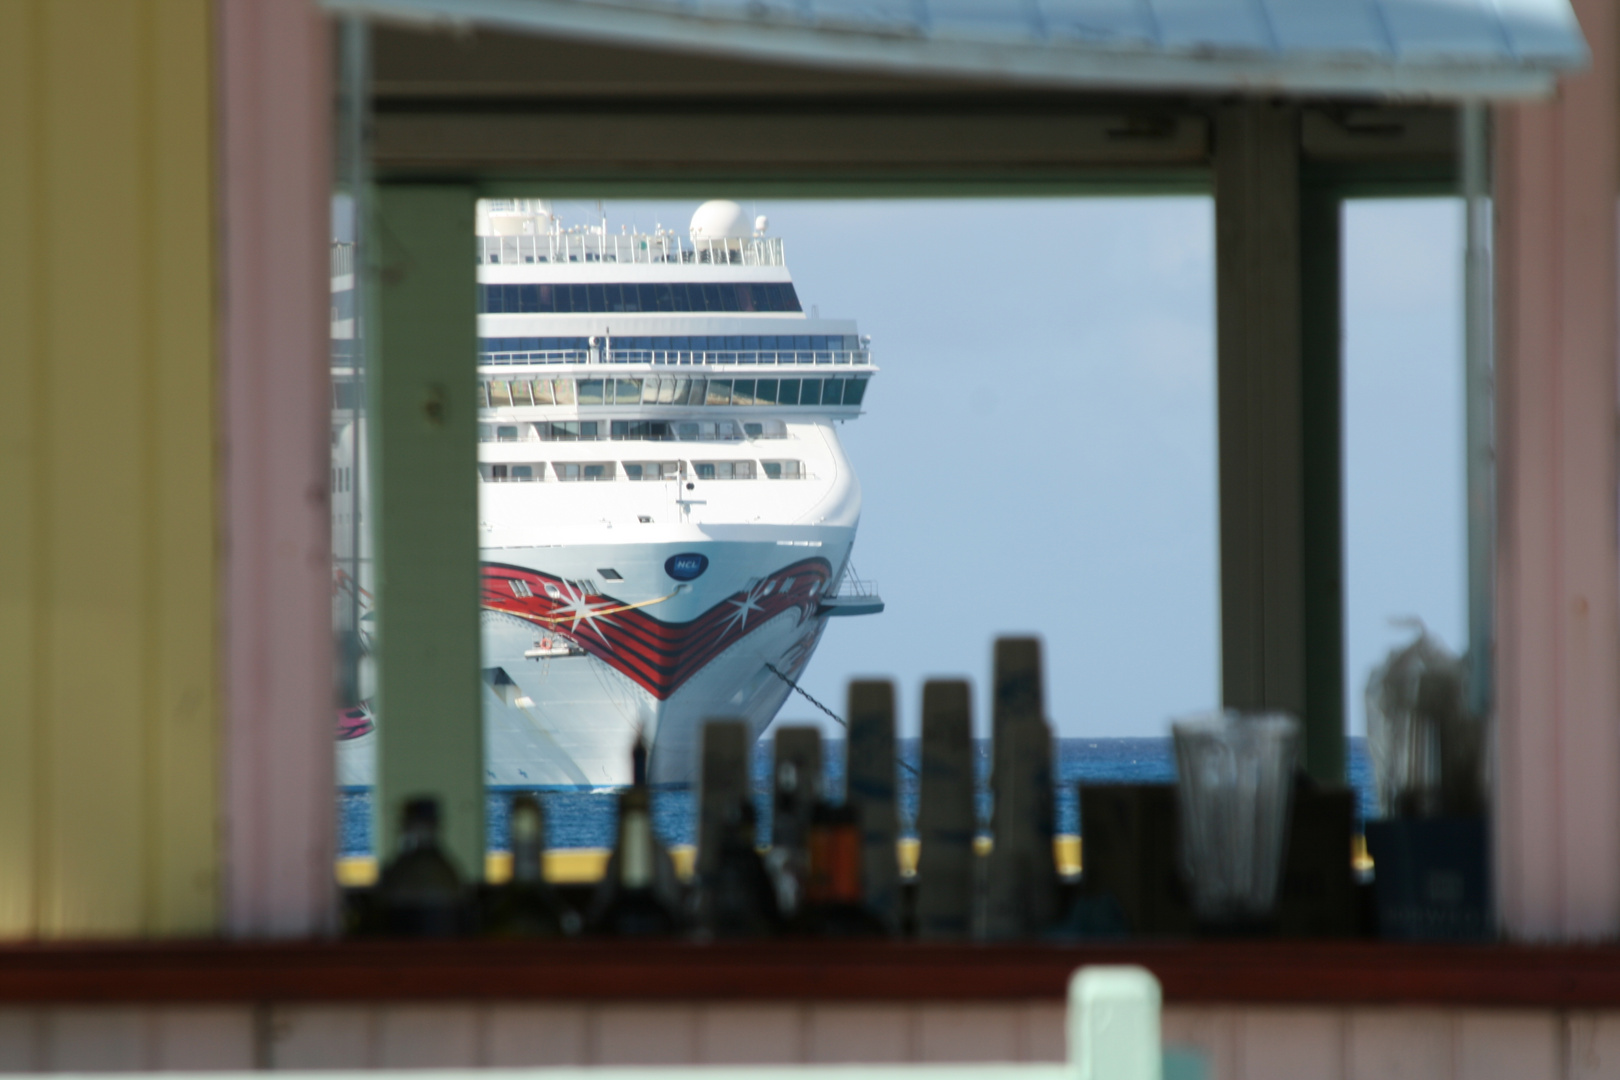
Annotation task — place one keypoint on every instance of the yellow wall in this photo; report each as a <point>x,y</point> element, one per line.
<point>108,585</point>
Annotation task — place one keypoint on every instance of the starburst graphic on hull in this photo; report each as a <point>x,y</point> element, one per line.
<point>658,656</point>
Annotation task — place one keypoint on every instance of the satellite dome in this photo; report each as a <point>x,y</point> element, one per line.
<point>720,219</point>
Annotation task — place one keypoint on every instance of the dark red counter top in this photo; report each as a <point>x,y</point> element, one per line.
<point>1270,972</point>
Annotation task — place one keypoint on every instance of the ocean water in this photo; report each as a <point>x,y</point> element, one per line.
<point>576,819</point>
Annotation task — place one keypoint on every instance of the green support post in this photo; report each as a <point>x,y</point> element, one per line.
<point>422,441</point>
<point>1322,421</point>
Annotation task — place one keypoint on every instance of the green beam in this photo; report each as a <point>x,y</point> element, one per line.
<point>1322,465</point>
<point>422,441</point>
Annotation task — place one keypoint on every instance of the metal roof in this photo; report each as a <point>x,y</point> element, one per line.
<point>1448,49</point>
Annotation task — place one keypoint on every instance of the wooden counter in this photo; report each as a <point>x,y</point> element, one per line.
<point>1201,973</point>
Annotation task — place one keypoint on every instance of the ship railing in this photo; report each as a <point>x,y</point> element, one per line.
<point>643,248</point>
<point>852,584</point>
<point>342,259</point>
<point>674,358</point>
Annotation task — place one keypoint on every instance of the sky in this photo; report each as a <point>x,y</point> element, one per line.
<point>1038,449</point>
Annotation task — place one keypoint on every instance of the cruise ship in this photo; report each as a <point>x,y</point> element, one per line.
<point>666,514</point>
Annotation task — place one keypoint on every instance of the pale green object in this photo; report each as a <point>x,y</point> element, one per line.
<point>423,438</point>
<point>1114,1023</point>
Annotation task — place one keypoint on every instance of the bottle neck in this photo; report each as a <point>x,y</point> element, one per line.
<point>527,862</point>
<point>635,842</point>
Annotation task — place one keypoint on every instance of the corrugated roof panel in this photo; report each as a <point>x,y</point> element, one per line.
<point>1433,48</point>
<point>1126,23</point>
<point>1538,32</point>
<point>1009,20</point>
<point>1212,25</point>
<point>1445,29</point>
<point>1330,27</point>
<point>902,15</point>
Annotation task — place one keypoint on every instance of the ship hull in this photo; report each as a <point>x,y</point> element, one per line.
<point>576,666</point>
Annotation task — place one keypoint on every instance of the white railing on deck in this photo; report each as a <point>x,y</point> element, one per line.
<point>661,358</point>
<point>342,259</point>
<point>650,248</point>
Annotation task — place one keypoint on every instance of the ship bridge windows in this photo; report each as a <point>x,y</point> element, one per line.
<point>676,390</point>
<point>570,431</point>
<point>674,296</point>
<point>723,470</point>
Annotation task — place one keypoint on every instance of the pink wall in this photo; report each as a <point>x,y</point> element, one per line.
<point>275,93</point>
<point>1558,575</point>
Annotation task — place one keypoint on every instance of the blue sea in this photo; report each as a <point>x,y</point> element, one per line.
<point>585,819</point>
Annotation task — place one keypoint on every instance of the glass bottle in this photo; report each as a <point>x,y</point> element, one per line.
<point>835,905</point>
<point>526,906</point>
<point>420,894</point>
<point>739,899</point>
<point>629,903</point>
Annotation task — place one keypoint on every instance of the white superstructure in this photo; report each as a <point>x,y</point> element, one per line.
<point>665,510</point>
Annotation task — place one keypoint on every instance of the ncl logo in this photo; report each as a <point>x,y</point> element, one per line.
<point>686,567</point>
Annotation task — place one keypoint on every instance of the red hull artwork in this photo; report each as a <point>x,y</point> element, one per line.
<point>659,656</point>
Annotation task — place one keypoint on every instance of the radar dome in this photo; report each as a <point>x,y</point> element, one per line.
<point>720,219</point>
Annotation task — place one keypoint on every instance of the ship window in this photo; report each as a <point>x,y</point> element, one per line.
<point>742,392</point>
<point>696,395</point>
<point>719,392</point>
<point>564,390</point>
<point>524,472</point>
<point>811,394</point>
<point>588,429</point>
<point>783,470</point>
<point>609,574</point>
<point>542,392</point>
<point>483,395</point>
<point>497,472</point>
<point>486,433</point>
<point>650,470</point>
<point>724,470</point>
<point>686,431</point>
<point>565,471</point>
<point>753,431</point>
<point>590,391</point>
<point>500,393</point>
<point>597,470</point>
<point>789,394</point>
<point>627,391</point>
<point>854,391</point>
<point>506,433</point>
<point>831,391</point>
<point>520,392</point>
<point>766,394</point>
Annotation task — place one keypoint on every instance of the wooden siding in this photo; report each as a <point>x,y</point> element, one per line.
<point>1558,565</point>
<point>108,599</point>
<point>275,87</point>
<point>1237,1043</point>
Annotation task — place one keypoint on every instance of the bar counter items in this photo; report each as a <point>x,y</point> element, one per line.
<point>630,902</point>
<point>796,789</point>
<point>1234,786</point>
<point>1431,848</point>
<point>946,818</point>
<point>1020,876</point>
<point>419,893</point>
<point>526,906</point>
<point>870,768</point>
